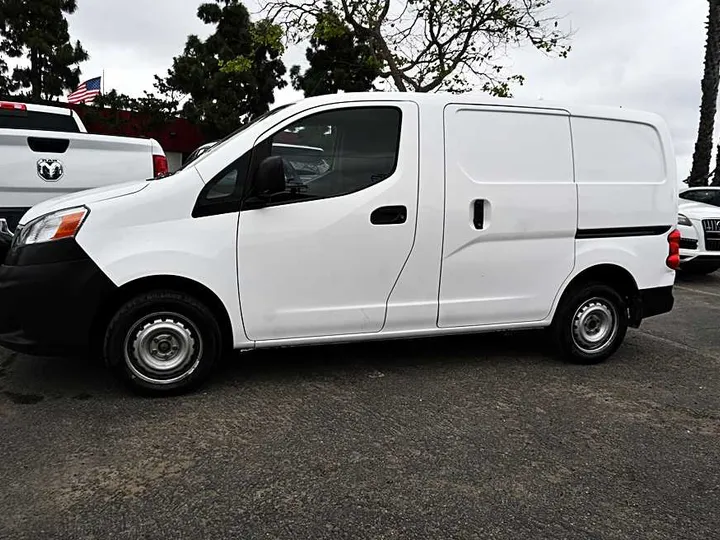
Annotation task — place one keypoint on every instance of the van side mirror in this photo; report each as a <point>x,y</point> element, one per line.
<point>269,177</point>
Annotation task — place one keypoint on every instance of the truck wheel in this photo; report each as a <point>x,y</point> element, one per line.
<point>163,342</point>
<point>590,323</point>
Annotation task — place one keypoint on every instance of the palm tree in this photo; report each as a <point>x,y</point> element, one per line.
<point>715,176</point>
<point>708,106</point>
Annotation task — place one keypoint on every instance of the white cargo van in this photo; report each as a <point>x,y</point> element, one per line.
<point>436,214</point>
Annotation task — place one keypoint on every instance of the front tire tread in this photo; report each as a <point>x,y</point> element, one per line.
<point>155,301</point>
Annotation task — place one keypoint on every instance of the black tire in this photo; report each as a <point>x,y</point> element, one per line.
<point>163,342</point>
<point>591,304</point>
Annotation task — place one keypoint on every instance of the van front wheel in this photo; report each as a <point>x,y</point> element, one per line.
<point>163,342</point>
<point>590,324</point>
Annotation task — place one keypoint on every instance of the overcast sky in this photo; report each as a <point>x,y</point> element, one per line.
<point>642,54</point>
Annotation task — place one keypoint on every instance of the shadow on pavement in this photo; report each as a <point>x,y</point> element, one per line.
<point>306,363</point>
<point>28,379</point>
<point>704,279</point>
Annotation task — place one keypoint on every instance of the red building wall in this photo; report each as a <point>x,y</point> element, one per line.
<point>177,135</point>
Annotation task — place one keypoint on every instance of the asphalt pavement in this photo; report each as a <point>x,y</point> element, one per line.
<point>461,437</point>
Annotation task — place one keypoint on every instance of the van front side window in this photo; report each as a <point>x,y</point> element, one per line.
<point>337,152</point>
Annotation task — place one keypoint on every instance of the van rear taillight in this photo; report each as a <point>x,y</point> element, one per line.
<point>673,259</point>
<point>160,166</point>
<point>10,106</point>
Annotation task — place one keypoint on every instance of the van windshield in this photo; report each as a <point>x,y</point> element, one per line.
<point>256,120</point>
<point>202,151</point>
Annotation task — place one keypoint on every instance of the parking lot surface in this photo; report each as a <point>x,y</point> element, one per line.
<point>462,437</point>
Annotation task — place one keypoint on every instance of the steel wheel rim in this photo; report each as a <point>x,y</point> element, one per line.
<point>163,348</point>
<point>594,325</point>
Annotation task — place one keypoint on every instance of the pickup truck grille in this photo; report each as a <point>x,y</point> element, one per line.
<point>712,234</point>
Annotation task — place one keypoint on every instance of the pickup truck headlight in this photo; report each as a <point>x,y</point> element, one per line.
<point>53,226</point>
<point>683,220</point>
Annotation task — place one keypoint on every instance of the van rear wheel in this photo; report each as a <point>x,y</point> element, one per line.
<point>590,323</point>
<point>163,342</point>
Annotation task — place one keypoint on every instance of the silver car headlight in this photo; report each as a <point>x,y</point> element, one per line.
<point>53,226</point>
<point>683,220</point>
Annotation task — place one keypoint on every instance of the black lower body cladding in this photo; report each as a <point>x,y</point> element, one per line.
<point>656,301</point>
<point>49,296</point>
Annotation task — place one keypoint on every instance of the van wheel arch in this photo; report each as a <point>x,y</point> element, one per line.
<point>615,277</point>
<point>147,284</point>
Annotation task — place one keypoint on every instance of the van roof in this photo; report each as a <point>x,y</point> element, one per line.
<point>476,98</point>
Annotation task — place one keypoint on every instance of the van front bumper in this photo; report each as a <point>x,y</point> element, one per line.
<point>49,296</point>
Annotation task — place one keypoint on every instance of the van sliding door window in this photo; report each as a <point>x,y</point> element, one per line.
<point>337,152</point>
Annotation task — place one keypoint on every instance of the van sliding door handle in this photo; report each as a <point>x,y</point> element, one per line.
<point>479,214</point>
<point>389,215</point>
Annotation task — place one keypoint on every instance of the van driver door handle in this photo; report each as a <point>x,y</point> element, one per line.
<point>389,215</point>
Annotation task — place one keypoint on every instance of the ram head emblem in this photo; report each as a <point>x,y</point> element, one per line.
<point>50,170</point>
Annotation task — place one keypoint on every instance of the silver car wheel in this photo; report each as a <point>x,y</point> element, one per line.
<point>594,325</point>
<point>163,348</point>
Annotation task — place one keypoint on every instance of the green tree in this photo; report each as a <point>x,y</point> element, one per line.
<point>230,76</point>
<point>7,85</point>
<point>430,45</point>
<point>340,59</point>
<point>702,155</point>
<point>38,31</point>
<point>153,112</point>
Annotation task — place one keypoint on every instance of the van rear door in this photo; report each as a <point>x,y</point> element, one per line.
<point>510,214</point>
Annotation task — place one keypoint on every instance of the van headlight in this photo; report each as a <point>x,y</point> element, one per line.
<point>53,226</point>
<point>683,220</point>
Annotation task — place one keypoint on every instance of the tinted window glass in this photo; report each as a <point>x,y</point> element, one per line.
<point>691,196</point>
<point>204,149</point>
<point>38,121</point>
<point>224,187</point>
<point>224,192</point>
<point>337,152</point>
<point>707,196</point>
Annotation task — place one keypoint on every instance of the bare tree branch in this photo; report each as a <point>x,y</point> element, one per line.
<point>428,45</point>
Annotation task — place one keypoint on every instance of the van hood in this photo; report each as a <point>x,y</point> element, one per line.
<point>698,210</point>
<point>82,198</point>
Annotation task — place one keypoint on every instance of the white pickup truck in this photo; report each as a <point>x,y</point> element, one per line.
<point>46,152</point>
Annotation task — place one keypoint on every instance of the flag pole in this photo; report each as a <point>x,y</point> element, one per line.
<point>103,82</point>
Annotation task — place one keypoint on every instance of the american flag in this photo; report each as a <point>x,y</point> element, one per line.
<point>86,92</point>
